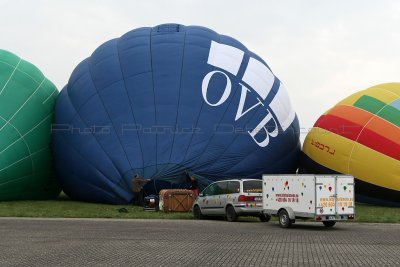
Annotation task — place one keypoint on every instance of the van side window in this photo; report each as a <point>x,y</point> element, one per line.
<point>209,190</point>
<point>233,187</point>
<point>216,189</point>
<point>222,187</point>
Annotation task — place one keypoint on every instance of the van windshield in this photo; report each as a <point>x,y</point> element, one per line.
<point>254,186</point>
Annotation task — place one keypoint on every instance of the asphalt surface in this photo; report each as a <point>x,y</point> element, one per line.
<point>73,242</point>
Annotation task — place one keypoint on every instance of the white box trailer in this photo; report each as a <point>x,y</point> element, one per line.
<point>326,198</point>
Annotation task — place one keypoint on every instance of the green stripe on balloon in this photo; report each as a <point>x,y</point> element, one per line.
<point>381,109</point>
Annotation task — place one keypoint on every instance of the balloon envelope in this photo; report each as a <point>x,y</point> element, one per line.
<point>361,136</point>
<point>158,102</point>
<point>27,102</point>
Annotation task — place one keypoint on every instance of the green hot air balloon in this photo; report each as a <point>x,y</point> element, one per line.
<point>27,101</point>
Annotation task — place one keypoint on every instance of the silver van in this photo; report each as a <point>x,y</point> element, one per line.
<point>231,198</point>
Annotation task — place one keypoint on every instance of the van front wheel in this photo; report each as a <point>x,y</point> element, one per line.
<point>197,213</point>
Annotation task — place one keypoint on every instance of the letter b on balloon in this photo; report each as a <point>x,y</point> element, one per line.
<point>260,79</point>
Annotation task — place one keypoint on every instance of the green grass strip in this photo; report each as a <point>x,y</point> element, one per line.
<point>63,207</point>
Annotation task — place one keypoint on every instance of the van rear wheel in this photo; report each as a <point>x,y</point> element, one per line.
<point>265,217</point>
<point>231,215</point>
<point>284,219</point>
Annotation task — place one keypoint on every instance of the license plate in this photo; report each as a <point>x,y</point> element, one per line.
<point>331,218</point>
<point>258,199</point>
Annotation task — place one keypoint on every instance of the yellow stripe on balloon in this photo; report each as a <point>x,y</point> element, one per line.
<point>323,147</point>
<point>349,101</point>
<point>334,151</point>
<point>375,168</point>
<point>392,87</point>
<point>377,92</point>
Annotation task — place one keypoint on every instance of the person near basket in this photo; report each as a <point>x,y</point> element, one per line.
<point>193,183</point>
<point>137,188</point>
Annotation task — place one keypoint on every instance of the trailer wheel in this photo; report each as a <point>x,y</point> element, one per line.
<point>329,223</point>
<point>231,215</point>
<point>265,217</point>
<point>197,213</point>
<point>284,219</point>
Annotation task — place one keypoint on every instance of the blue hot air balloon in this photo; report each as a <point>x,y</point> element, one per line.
<point>159,102</point>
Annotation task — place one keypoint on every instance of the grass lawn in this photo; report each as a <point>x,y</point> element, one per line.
<point>371,213</point>
<point>63,207</point>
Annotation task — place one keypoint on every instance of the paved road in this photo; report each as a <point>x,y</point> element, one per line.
<point>71,242</point>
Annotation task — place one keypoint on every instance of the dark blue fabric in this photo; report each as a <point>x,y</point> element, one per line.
<point>135,106</point>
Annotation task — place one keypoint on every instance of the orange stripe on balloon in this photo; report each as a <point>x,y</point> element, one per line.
<point>384,128</point>
<point>354,114</point>
<point>362,117</point>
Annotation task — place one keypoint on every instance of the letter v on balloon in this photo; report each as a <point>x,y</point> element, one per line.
<point>260,79</point>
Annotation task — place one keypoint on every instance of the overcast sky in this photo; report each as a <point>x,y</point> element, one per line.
<point>322,50</point>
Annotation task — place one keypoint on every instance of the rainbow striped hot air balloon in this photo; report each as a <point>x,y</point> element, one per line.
<point>360,136</point>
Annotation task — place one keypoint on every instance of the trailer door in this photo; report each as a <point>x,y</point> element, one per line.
<point>325,196</point>
<point>345,195</point>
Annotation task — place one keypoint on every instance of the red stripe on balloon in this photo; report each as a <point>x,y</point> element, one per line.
<point>379,143</point>
<point>339,126</point>
<point>351,130</point>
